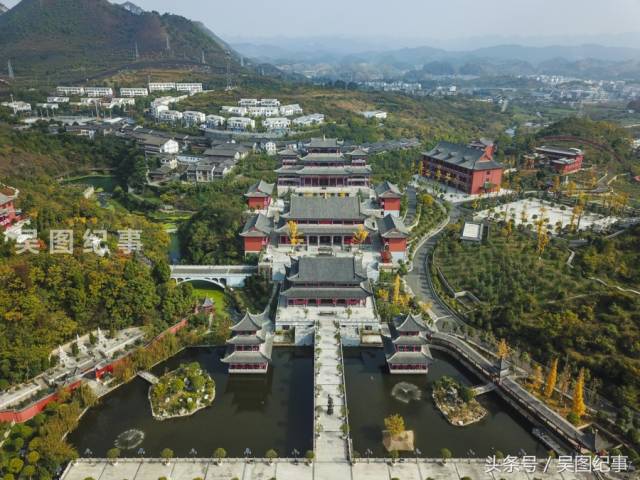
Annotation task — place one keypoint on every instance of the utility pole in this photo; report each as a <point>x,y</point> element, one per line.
<point>229,86</point>
<point>168,44</point>
<point>204,62</point>
<point>10,68</point>
<point>137,54</point>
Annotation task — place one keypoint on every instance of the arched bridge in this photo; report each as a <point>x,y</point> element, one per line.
<point>220,275</point>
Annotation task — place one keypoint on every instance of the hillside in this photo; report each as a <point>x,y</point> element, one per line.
<point>41,37</point>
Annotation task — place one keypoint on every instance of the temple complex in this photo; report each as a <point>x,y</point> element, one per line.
<point>406,350</point>
<point>323,168</point>
<point>389,198</point>
<point>250,346</point>
<point>8,214</point>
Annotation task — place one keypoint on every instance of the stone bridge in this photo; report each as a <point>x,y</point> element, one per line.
<point>220,275</point>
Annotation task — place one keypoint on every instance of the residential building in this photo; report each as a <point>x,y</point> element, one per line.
<point>289,110</point>
<point>118,102</point>
<point>470,170</point>
<point>240,123</point>
<point>189,87</point>
<point>270,102</point>
<point>378,114</point>
<point>323,167</point>
<point>277,123</point>
<point>259,195</point>
<point>17,106</point>
<point>227,151</point>
<point>193,118</point>
<point>389,198</point>
<point>154,144</point>
<point>407,350</point>
<point>169,116</point>
<point>134,92</point>
<point>48,106</point>
<point>57,99</point>
<point>161,86</point>
<point>263,111</point>
<point>8,214</point>
<point>68,91</point>
<point>248,102</point>
<point>562,160</point>
<point>241,111</point>
<point>309,120</point>
<point>207,171</point>
<point>250,346</point>
<point>89,101</point>
<point>270,148</point>
<point>214,121</point>
<point>99,91</point>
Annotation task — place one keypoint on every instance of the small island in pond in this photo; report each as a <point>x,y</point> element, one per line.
<point>182,392</point>
<point>457,402</point>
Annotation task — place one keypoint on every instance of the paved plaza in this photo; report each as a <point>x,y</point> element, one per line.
<point>206,469</point>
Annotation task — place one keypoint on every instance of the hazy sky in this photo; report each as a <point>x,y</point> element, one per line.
<point>426,19</point>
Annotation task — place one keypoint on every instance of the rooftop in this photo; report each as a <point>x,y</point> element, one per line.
<point>462,156</point>
<point>333,270</point>
<point>335,208</point>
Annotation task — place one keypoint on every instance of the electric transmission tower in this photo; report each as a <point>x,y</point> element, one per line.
<point>10,68</point>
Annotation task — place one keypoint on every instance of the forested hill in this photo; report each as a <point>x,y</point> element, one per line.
<point>86,37</point>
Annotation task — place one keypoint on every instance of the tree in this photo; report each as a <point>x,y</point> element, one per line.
<point>15,465</point>
<point>396,290</point>
<point>219,454</point>
<point>309,455</point>
<point>33,457</point>
<point>394,424</point>
<point>536,379</point>
<point>166,454</point>
<point>360,236</point>
<point>578,407</point>
<point>294,234</point>
<point>551,379</point>
<point>29,471</point>
<point>467,394</point>
<point>445,454</point>
<point>271,454</point>
<point>503,349</point>
<point>113,454</point>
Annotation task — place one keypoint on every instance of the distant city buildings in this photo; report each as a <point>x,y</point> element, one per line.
<point>134,92</point>
<point>377,114</point>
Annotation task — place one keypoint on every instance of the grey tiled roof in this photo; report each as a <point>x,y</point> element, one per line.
<point>326,270</point>
<point>335,208</point>
<point>260,189</point>
<point>410,358</point>
<point>462,156</point>
<point>323,143</point>
<point>251,322</point>
<point>410,323</point>
<point>312,170</point>
<point>321,229</point>
<point>323,157</point>
<point>316,292</point>
<point>257,226</point>
<point>392,227</point>
<point>410,340</point>
<point>387,189</point>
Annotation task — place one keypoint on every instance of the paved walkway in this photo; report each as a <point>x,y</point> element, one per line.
<point>330,445</point>
<point>188,469</point>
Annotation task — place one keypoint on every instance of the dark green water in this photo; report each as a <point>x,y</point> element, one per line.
<point>174,248</point>
<point>370,401</point>
<point>105,182</point>
<point>257,411</point>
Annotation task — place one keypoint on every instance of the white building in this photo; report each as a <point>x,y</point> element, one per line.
<point>170,161</point>
<point>170,147</point>
<point>378,114</point>
<point>17,106</point>
<point>134,92</point>
<point>289,110</point>
<point>156,110</point>
<point>162,86</point>
<point>240,123</point>
<point>118,102</point>
<point>99,91</point>
<point>248,102</point>
<point>276,123</point>
<point>189,87</point>
<point>57,99</point>
<point>309,120</point>
<point>169,116</point>
<point>213,121</point>
<point>241,111</point>
<point>89,101</point>
<point>270,148</point>
<point>270,102</point>
<point>193,118</point>
<point>70,90</point>
<point>264,111</point>
<point>48,105</point>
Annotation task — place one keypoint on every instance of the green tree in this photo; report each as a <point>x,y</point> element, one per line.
<point>445,454</point>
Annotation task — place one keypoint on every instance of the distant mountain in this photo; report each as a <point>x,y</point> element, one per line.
<point>3,8</point>
<point>86,37</point>
<point>592,60</point>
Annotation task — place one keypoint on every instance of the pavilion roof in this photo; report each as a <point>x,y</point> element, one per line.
<point>410,323</point>
<point>391,226</point>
